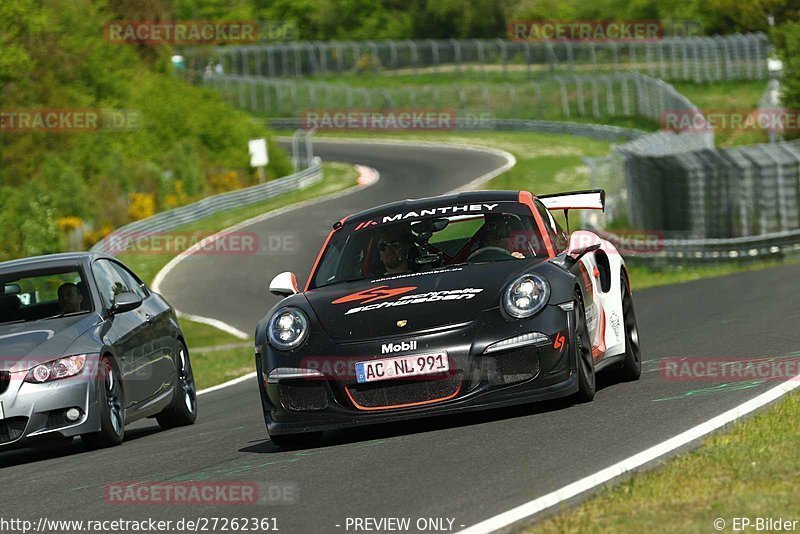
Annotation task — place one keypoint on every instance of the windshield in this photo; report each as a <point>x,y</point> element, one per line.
<point>429,243</point>
<point>33,296</point>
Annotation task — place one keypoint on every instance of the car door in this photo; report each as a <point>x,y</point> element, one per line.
<point>128,334</point>
<point>160,345</point>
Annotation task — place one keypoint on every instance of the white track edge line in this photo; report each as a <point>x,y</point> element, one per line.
<point>544,502</point>
<point>229,383</point>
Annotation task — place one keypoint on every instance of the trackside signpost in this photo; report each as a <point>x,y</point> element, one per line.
<point>259,158</point>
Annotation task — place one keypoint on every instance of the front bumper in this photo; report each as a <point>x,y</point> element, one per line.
<point>326,399</point>
<point>34,411</point>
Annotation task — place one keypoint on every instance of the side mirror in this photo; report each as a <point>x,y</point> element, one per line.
<point>125,302</point>
<point>284,285</point>
<point>578,253</point>
<point>582,242</point>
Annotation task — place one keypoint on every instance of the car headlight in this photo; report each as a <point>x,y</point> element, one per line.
<point>287,328</point>
<point>526,295</point>
<point>56,369</point>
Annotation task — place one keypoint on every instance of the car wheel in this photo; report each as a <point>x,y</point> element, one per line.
<point>183,410</point>
<point>297,441</point>
<point>583,354</point>
<point>111,404</point>
<point>631,368</point>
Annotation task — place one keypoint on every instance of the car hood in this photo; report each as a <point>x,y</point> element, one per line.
<point>25,345</point>
<point>431,299</point>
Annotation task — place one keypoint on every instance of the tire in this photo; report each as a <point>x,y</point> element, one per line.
<point>583,354</point>
<point>296,441</point>
<point>631,368</point>
<point>111,404</point>
<point>183,409</point>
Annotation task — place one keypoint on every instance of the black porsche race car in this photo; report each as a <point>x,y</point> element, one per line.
<point>441,305</point>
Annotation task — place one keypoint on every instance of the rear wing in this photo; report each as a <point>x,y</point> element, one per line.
<point>590,199</point>
<point>593,199</point>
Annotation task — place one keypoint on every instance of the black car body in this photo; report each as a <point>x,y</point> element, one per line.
<point>449,306</point>
<point>118,358</point>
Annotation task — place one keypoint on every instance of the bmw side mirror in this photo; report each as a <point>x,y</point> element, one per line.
<point>284,285</point>
<point>125,302</point>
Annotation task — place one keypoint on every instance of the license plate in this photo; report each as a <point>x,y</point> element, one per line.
<point>402,366</point>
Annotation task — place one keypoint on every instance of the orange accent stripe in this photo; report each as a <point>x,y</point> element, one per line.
<point>395,406</point>
<point>526,198</point>
<point>321,251</point>
<point>600,347</point>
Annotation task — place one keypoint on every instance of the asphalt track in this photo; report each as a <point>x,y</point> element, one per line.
<point>464,468</point>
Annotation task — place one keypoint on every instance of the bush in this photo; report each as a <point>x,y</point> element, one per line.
<point>53,55</point>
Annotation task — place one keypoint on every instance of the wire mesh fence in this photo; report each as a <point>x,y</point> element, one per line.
<point>597,96</point>
<point>698,59</point>
<point>710,204</point>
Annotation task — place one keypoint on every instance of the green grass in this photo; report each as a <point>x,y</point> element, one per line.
<point>643,277</point>
<point>217,366</point>
<point>749,471</point>
<point>203,335</point>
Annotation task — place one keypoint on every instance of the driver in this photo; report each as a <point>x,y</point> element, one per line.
<point>494,236</point>
<point>69,298</point>
<point>394,245</point>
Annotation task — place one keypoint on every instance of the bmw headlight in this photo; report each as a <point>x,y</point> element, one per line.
<point>526,295</point>
<point>60,368</point>
<point>287,328</point>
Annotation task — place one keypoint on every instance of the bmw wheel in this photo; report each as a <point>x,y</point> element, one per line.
<point>183,410</point>
<point>111,404</point>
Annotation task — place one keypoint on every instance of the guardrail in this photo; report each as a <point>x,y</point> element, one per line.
<point>698,59</point>
<point>660,253</point>
<point>175,218</point>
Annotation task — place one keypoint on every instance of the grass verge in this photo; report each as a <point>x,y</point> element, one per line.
<point>212,367</point>
<point>748,471</point>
